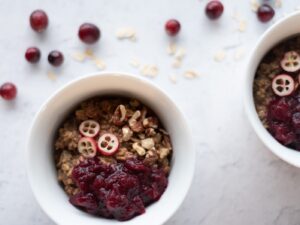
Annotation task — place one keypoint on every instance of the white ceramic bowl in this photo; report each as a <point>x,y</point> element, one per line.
<point>281,30</point>
<point>40,164</point>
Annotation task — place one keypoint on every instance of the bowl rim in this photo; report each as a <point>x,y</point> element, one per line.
<point>249,104</point>
<point>91,75</point>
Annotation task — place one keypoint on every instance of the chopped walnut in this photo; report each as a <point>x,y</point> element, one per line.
<point>127,133</point>
<point>163,152</point>
<point>167,142</point>
<point>150,122</point>
<point>135,125</point>
<point>134,103</point>
<point>123,154</point>
<point>139,149</point>
<point>119,116</point>
<point>107,160</point>
<point>151,157</point>
<point>157,138</point>
<point>147,143</point>
<point>150,132</point>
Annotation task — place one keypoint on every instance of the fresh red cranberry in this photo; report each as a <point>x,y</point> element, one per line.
<point>172,27</point>
<point>8,91</point>
<point>89,33</point>
<point>55,58</point>
<point>33,55</point>
<point>214,9</point>
<point>39,20</point>
<point>265,13</point>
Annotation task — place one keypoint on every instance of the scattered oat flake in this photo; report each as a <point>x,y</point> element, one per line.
<point>135,63</point>
<point>236,16</point>
<point>278,3</point>
<point>126,33</point>
<point>52,76</point>
<point>220,56</point>
<point>239,54</point>
<point>171,49</point>
<point>79,56</point>
<point>149,70</point>
<point>173,79</point>
<point>180,54</point>
<point>177,63</point>
<point>99,63</point>
<point>254,5</point>
<point>242,25</point>
<point>89,53</point>
<point>190,74</point>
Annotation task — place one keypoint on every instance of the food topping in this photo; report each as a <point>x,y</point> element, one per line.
<point>283,85</point>
<point>108,144</point>
<point>89,128</point>
<point>290,61</point>
<point>87,147</point>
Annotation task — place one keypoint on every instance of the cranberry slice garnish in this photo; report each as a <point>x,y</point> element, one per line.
<point>87,147</point>
<point>33,55</point>
<point>89,33</point>
<point>214,10</point>
<point>283,85</point>
<point>172,27</point>
<point>8,91</point>
<point>89,128</point>
<point>108,144</point>
<point>265,13</point>
<point>290,61</point>
<point>39,20</point>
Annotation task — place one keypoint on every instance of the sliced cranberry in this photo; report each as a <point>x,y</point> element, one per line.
<point>283,85</point>
<point>214,9</point>
<point>172,27</point>
<point>265,13</point>
<point>89,33</point>
<point>89,128</point>
<point>290,61</point>
<point>39,20</point>
<point>55,58</point>
<point>87,147</point>
<point>8,91</point>
<point>33,55</point>
<point>108,144</point>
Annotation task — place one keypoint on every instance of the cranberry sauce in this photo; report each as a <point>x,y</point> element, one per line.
<point>284,120</point>
<point>120,190</point>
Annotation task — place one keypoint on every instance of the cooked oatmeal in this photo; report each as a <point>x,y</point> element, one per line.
<point>276,92</point>
<point>113,133</point>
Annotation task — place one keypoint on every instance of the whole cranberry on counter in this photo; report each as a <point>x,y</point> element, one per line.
<point>214,9</point>
<point>55,58</point>
<point>89,33</point>
<point>172,27</point>
<point>33,55</point>
<point>39,20</point>
<point>8,91</point>
<point>265,13</point>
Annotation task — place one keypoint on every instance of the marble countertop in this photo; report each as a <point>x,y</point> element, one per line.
<point>238,181</point>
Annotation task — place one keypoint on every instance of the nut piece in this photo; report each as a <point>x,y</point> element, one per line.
<point>147,143</point>
<point>163,152</point>
<point>119,115</point>
<point>150,122</point>
<point>135,125</point>
<point>127,133</point>
<point>150,132</point>
<point>140,150</point>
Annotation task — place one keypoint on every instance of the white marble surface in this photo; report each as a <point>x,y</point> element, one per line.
<point>238,181</point>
